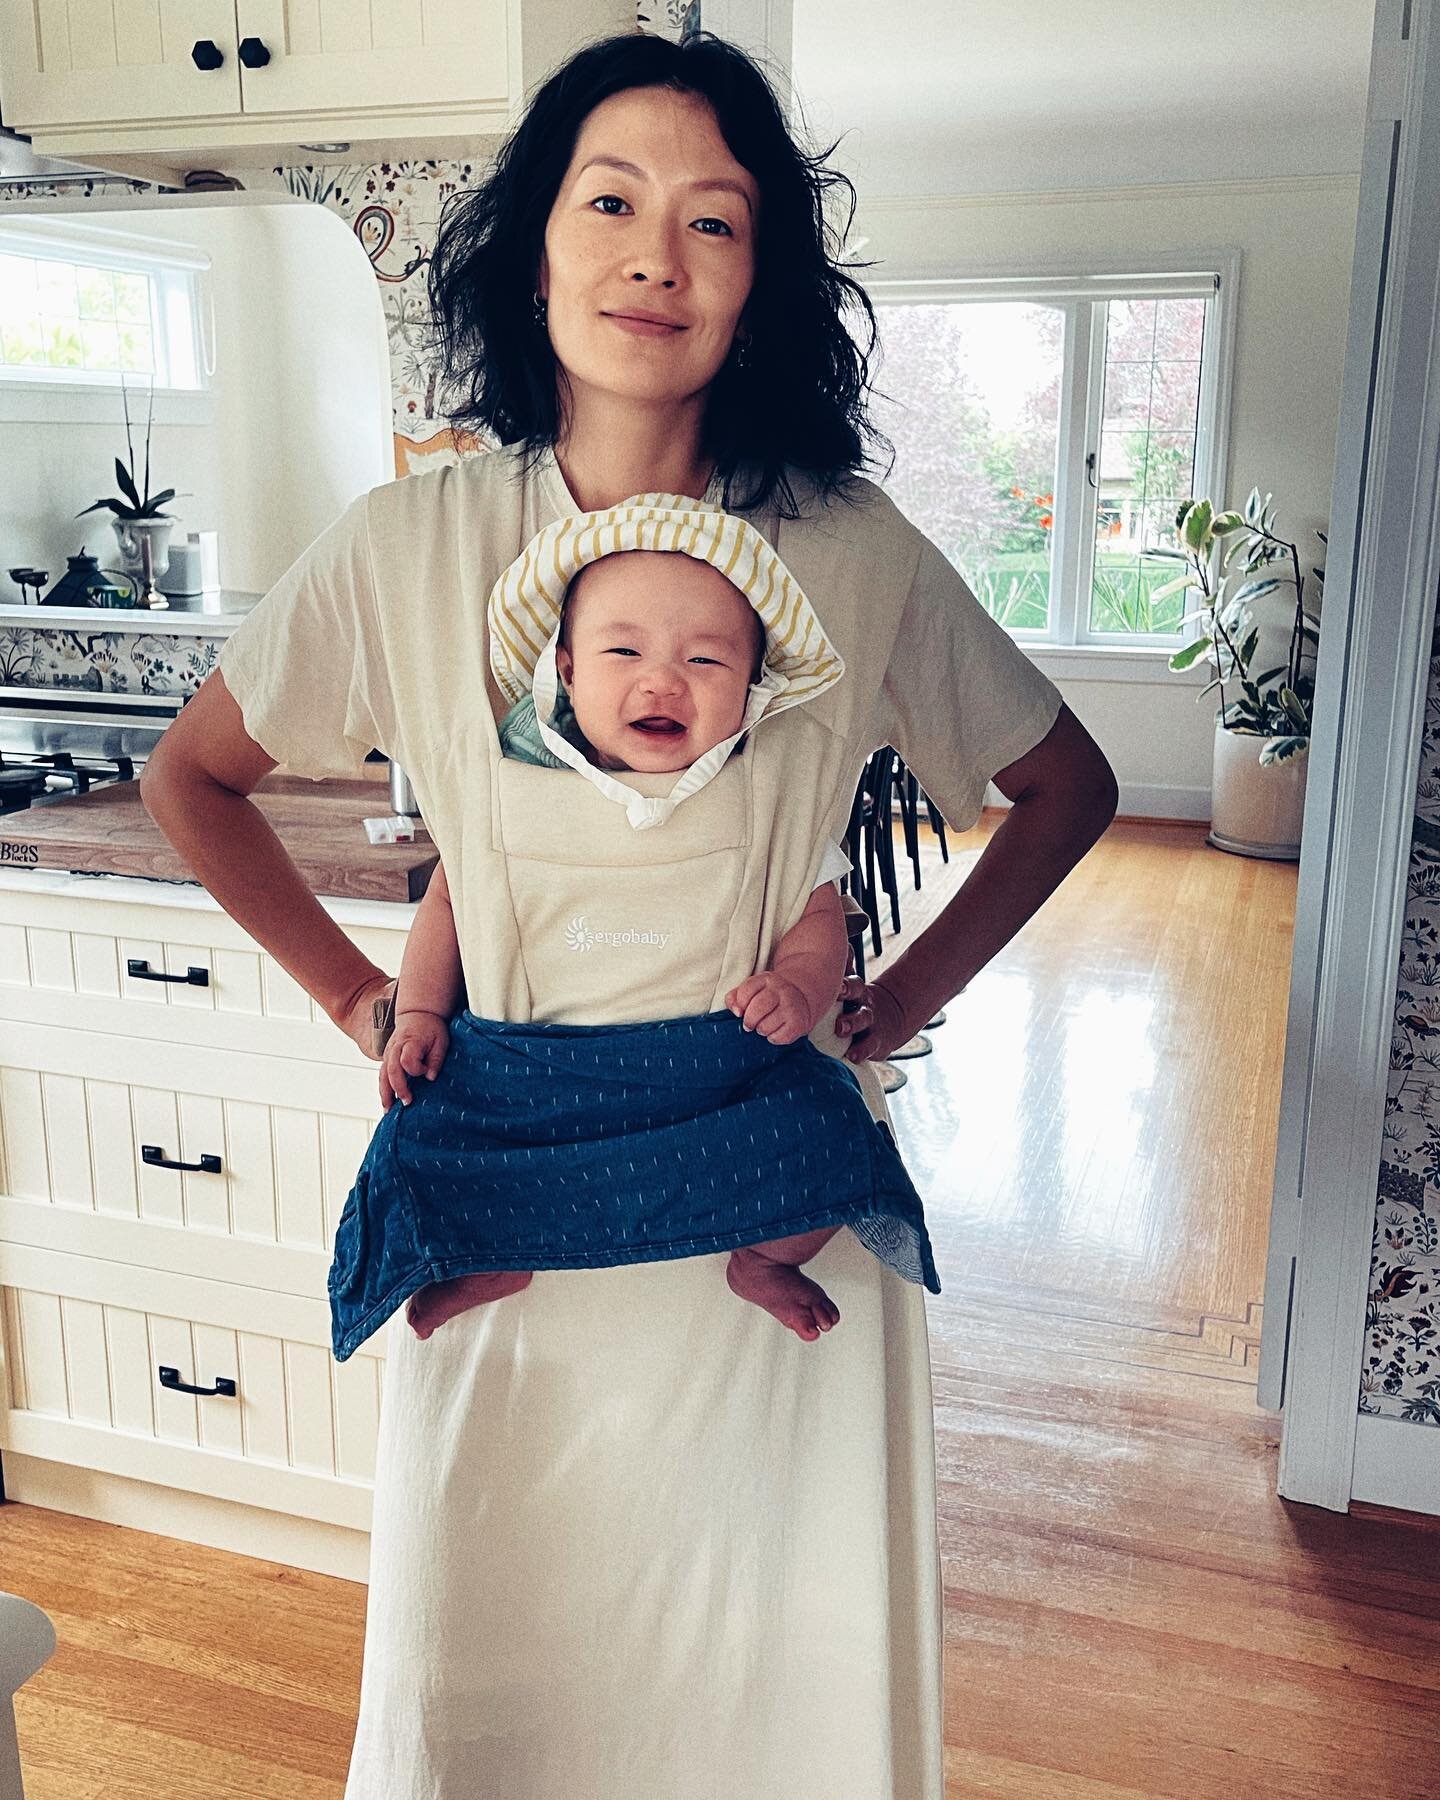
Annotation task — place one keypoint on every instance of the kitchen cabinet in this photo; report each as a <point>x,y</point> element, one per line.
<point>171,85</point>
<point>173,1161</point>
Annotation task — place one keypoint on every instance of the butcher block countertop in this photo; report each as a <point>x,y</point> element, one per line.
<point>109,832</point>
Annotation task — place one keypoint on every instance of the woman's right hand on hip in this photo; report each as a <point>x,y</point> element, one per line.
<point>358,1022</point>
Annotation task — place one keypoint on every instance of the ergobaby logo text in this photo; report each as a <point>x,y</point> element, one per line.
<point>579,936</point>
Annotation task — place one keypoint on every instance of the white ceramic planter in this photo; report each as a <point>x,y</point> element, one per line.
<point>142,538</point>
<point>1255,810</point>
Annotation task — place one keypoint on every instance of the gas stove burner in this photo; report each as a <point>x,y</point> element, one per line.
<point>41,777</point>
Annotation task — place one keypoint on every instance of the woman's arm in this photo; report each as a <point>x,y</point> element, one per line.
<point>1064,795</point>
<point>195,786</point>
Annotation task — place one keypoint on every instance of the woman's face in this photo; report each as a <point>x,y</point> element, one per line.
<point>653,214</point>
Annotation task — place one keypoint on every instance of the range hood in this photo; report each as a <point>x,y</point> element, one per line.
<point>18,162</point>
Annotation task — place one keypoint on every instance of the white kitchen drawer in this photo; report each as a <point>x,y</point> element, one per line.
<point>84,1343</point>
<point>89,1124</point>
<point>81,960</point>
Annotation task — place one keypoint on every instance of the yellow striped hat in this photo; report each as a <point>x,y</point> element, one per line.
<point>524,608</point>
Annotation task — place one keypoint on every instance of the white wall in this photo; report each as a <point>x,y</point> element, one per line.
<point>986,97</point>
<point>300,421</point>
<point>1296,238</point>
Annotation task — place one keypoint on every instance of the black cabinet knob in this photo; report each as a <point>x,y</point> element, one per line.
<point>207,54</point>
<point>253,53</point>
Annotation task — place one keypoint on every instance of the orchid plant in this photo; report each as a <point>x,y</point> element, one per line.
<point>134,505</point>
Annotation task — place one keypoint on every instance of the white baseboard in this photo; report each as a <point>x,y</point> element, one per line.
<point>193,1518</point>
<point>1397,1464</point>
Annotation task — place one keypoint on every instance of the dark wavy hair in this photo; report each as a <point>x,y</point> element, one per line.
<point>802,398</point>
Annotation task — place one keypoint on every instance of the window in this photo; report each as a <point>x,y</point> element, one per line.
<point>1045,431</point>
<point>90,306</point>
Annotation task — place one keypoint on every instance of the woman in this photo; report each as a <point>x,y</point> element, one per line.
<point>627,1544</point>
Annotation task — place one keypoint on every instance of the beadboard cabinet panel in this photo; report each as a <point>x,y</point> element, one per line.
<point>74,1136</point>
<point>83,62</point>
<point>115,1265</point>
<point>83,1383</point>
<point>339,55</point>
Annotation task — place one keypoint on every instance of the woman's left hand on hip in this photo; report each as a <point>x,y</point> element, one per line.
<point>877,1025</point>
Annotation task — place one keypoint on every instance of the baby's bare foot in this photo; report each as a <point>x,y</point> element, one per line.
<point>433,1305</point>
<point>783,1291</point>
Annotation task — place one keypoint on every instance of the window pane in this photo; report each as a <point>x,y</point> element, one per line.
<point>96,289</point>
<point>132,298</point>
<point>102,346</point>
<point>135,348</point>
<point>63,315</point>
<point>971,402</point>
<point>1149,420</point>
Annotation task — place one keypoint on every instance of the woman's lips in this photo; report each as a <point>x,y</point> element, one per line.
<point>643,327</point>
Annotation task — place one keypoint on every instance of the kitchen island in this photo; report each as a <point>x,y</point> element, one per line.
<point>180,1125</point>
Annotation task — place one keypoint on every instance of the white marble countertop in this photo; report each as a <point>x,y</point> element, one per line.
<point>386,915</point>
<point>213,614</point>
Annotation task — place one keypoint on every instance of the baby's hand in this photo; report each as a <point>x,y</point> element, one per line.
<point>773,1006</point>
<point>417,1046</point>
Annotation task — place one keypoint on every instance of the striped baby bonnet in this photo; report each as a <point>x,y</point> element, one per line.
<point>524,622</point>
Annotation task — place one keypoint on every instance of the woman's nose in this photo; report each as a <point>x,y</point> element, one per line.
<point>654,256</point>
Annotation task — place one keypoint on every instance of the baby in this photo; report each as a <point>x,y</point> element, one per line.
<point>657,651</point>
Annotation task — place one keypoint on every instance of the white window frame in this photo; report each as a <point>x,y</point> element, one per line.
<point>1069,648</point>
<point>182,328</point>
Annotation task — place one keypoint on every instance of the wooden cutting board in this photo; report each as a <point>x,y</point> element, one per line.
<point>319,823</point>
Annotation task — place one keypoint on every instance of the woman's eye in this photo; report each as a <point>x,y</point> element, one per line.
<point>603,199</point>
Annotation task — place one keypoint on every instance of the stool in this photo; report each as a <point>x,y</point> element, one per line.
<point>27,1642</point>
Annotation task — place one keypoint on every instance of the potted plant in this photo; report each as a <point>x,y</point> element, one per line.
<point>142,529</point>
<point>1258,793</point>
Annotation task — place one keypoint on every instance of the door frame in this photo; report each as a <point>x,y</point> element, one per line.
<point>1372,681</point>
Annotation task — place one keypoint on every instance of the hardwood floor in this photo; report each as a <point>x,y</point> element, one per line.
<point>1129,1609</point>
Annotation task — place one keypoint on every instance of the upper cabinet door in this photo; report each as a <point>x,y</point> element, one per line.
<point>349,56</point>
<point>81,62</point>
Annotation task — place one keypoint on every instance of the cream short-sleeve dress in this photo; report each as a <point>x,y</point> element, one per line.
<point>632,1540</point>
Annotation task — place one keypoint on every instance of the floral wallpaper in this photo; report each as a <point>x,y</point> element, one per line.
<point>1401,1373</point>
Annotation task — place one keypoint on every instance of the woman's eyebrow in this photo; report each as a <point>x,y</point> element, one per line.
<point>629,168</point>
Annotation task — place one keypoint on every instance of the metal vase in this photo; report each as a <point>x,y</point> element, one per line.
<point>144,546</point>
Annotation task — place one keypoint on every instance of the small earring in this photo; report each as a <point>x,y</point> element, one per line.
<point>742,355</point>
<point>538,309</point>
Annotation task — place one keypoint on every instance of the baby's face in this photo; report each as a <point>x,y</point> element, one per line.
<point>656,634</point>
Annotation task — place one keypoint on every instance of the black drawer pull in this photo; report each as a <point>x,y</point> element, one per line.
<point>253,53</point>
<point>207,54</point>
<point>152,1153</point>
<point>170,1378</point>
<point>139,967</point>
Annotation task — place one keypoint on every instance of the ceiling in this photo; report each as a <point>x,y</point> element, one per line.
<point>986,96</point>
